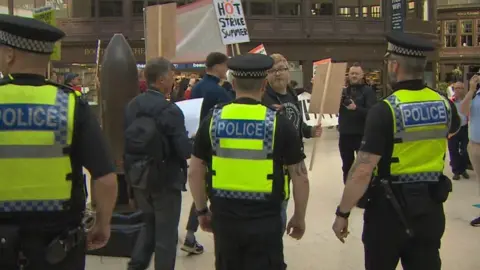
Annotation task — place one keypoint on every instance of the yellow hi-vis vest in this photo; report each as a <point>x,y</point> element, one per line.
<point>421,124</point>
<point>242,138</point>
<point>36,126</point>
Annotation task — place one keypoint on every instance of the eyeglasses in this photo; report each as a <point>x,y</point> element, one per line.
<point>274,71</point>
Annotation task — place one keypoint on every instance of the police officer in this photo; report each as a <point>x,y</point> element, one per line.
<point>406,136</point>
<point>245,147</point>
<point>47,134</point>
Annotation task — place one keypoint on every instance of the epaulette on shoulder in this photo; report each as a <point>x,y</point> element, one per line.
<point>5,80</point>
<point>65,88</point>
<point>439,92</point>
<point>221,105</point>
<point>271,108</point>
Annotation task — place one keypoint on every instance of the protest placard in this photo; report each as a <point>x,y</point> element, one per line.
<point>191,111</point>
<point>160,31</point>
<point>47,14</point>
<point>231,21</point>
<point>327,89</point>
<point>311,119</point>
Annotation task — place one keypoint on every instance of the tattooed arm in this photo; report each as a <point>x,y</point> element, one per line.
<point>301,188</point>
<point>358,179</point>
<point>196,181</point>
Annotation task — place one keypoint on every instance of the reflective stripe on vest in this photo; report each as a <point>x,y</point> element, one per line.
<point>242,142</point>
<point>36,128</point>
<point>422,120</point>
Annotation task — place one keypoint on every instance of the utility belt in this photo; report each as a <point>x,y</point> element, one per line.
<point>18,250</point>
<point>411,200</point>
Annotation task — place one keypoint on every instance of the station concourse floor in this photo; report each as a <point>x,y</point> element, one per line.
<point>319,249</point>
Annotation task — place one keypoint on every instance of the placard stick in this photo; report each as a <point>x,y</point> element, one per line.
<point>237,47</point>
<point>232,49</point>
<point>319,119</point>
<point>49,69</point>
<point>97,81</point>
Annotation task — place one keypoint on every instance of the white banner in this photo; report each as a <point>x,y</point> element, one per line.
<point>328,120</point>
<point>191,110</point>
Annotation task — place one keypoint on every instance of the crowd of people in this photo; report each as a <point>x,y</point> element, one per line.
<point>280,93</point>
<point>247,159</point>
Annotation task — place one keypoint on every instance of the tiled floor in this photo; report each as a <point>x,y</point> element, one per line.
<point>319,249</point>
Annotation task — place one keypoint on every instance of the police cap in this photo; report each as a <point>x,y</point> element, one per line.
<point>28,34</point>
<point>250,65</point>
<point>410,45</point>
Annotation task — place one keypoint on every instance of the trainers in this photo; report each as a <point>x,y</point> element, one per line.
<point>456,177</point>
<point>465,175</point>
<point>192,247</point>
<point>475,222</point>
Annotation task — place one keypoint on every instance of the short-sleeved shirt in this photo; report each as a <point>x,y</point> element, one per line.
<point>378,136</point>
<point>287,151</point>
<point>89,149</point>
<point>474,119</point>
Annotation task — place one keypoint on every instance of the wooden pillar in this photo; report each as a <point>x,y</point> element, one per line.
<point>127,15</point>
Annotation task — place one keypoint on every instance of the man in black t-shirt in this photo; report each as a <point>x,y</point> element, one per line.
<point>245,147</point>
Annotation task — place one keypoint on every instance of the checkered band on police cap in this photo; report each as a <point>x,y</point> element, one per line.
<point>249,74</point>
<point>26,43</point>
<point>392,48</point>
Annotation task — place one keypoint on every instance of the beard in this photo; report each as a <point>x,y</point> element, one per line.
<point>279,84</point>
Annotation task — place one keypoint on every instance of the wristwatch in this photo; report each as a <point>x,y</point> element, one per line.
<point>338,213</point>
<point>202,212</point>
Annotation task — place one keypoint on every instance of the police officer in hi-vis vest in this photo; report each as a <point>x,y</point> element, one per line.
<point>404,146</point>
<point>246,149</point>
<point>47,134</point>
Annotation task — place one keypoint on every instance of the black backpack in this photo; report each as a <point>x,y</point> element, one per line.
<point>146,149</point>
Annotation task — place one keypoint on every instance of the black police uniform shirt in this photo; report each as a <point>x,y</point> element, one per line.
<point>378,137</point>
<point>287,151</point>
<point>89,149</point>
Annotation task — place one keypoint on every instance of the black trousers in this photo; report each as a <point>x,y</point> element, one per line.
<point>457,148</point>
<point>34,251</point>
<point>348,144</point>
<point>386,242</point>
<point>244,249</point>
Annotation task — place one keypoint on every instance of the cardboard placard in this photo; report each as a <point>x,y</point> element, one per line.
<point>327,100</point>
<point>160,31</point>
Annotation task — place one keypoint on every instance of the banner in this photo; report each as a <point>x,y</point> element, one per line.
<point>47,14</point>
<point>191,110</point>
<point>231,21</point>
<point>259,49</point>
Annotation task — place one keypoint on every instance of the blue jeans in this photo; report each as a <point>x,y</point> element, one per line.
<point>284,215</point>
